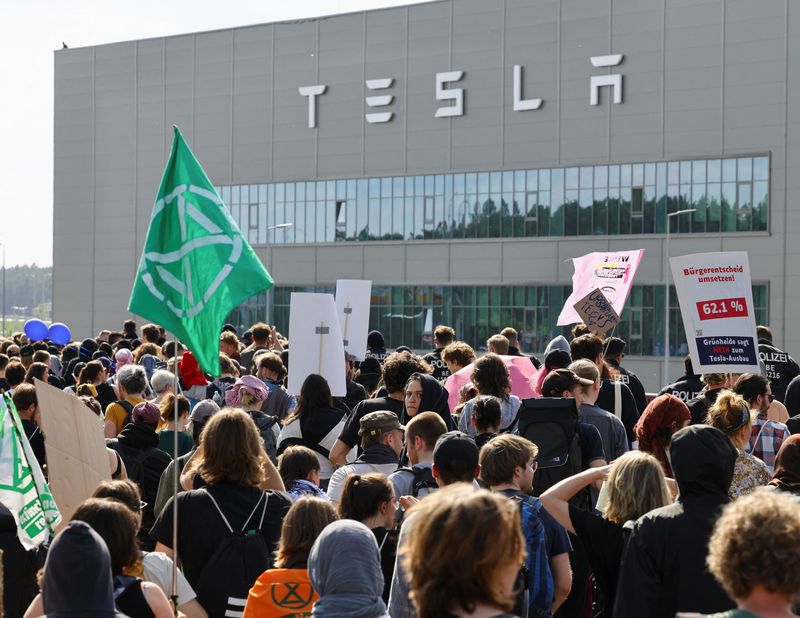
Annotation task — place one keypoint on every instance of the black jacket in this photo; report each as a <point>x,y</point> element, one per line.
<point>780,368</point>
<point>699,405</point>
<point>685,388</point>
<point>664,566</point>
<point>632,381</point>
<point>630,413</point>
<point>137,444</point>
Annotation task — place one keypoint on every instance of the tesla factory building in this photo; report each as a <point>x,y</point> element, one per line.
<point>457,153</point>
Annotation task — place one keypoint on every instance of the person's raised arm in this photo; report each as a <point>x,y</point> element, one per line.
<point>556,499</point>
<point>272,478</point>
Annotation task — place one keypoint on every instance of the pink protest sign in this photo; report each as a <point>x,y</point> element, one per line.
<point>520,370</point>
<point>611,272</point>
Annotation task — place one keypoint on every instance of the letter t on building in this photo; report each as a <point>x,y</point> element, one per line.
<point>312,92</point>
<point>614,80</point>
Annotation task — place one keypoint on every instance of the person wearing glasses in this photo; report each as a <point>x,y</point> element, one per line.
<point>731,415</point>
<point>508,464</point>
<point>766,435</point>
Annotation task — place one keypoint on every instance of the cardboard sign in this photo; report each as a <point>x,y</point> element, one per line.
<point>77,460</point>
<point>597,313</point>
<point>315,342</point>
<point>716,300</point>
<point>352,306</point>
<point>610,272</point>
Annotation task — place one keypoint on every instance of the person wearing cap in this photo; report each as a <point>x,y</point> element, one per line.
<point>381,437</point>
<point>554,359</point>
<point>614,353</point>
<point>202,411</point>
<point>455,460</point>
<point>137,444</point>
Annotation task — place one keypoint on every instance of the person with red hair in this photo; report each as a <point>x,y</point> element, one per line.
<point>662,417</point>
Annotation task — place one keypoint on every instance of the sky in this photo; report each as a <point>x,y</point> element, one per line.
<point>30,31</point>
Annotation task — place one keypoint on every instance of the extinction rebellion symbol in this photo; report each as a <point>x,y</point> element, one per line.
<point>197,233</point>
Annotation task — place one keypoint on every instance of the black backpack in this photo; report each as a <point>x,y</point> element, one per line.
<point>551,423</point>
<point>423,479</point>
<point>240,558</point>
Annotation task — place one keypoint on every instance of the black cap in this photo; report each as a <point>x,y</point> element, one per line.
<point>562,380</point>
<point>557,359</point>
<point>230,328</point>
<point>455,446</point>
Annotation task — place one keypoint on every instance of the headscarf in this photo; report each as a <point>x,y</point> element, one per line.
<point>77,575</point>
<point>252,385</point>
<point>664,412</point>
<point>190,371</point>
<point>123,357</point>
<point>434,399</point>
<point>344,567</point>
<point>787,464</point>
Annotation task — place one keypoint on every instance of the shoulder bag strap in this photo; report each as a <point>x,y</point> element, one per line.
<point>219,510</point>
<point>618,399</point>
<point>255,508</point>
<point>752,446</point>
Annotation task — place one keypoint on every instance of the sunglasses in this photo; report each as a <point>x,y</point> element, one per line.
<point>771,397</point>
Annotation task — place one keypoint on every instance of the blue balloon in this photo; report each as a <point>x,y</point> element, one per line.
<point>35,329</point>
<point>59,333</point>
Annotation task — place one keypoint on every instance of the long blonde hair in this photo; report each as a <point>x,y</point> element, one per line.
<point>636,485</point>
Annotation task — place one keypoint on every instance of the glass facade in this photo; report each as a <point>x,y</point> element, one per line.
<point>728,195</point>
<point>405,314</point>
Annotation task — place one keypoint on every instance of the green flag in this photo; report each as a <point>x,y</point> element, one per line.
<point>196,266</point>
<point>23,489</point>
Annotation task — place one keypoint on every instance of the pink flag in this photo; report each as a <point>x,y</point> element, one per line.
<point>611,272</point>
<point>520,370</point>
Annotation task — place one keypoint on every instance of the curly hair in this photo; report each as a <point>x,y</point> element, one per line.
<point>449,536</point>
<point>459,352</point>
<point>755,541</point>
<point>490,376</point>
<point>398,367</point>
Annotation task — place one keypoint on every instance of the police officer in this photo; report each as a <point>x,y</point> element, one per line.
<point>688,386</point>
<point>443,336</point>
<point>780,368</point>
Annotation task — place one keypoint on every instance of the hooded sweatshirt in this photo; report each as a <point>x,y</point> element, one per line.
<point>345,569</point>
<point>664,567</point>
<point>77,575</point>
<point>434,399</point>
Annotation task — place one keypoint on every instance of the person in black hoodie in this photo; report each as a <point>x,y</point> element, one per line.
<point>376,346</point>
<point>77,575</point>
<point>137,444</point>
<point>664,566</point>
<point>688,386</point>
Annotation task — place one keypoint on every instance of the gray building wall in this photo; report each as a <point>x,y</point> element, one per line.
<point>701,78</point>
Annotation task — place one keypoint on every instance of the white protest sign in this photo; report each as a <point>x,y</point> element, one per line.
<point>315,342</point>
<point>716,301</point>
<point>352,306</point>
<point>76,450</point>
<point>597,313</point>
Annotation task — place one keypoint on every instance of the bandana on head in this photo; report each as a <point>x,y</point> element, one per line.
<point>252,385</point>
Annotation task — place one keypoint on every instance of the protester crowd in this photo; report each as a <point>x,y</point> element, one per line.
<point>590,499</point>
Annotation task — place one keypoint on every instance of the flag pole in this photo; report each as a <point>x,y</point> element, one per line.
<point>175,480</point>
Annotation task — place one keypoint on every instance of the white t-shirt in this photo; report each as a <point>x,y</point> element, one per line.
<point>158,570</point>
<point>341,474</point>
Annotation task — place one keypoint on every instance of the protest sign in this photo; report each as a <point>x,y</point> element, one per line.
<point>316,342</point>
<point>612,272</point>
<point>77,460</point>
<point>23,490</point>
<point>716,302</point>
<point>352,307</point>
<point>597,313</point>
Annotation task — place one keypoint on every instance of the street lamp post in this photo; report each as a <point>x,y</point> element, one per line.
<point>666,291</point>
<point>4,287</point>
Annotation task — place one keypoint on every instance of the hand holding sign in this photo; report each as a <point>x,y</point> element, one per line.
<point>597,313</point>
